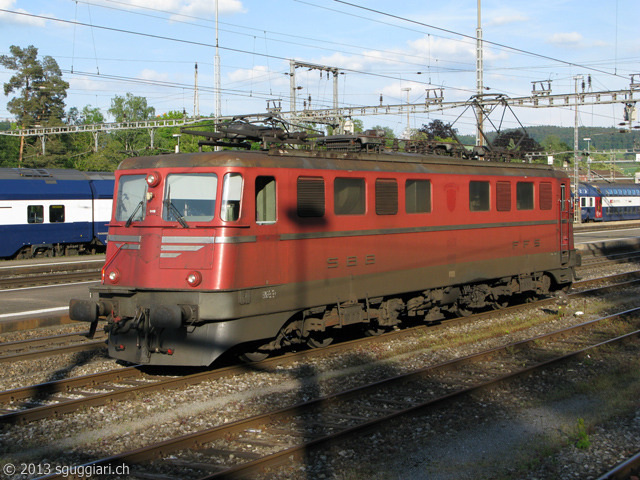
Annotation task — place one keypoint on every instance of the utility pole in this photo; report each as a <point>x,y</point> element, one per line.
<point>292,84</point>
<point>577,217</point>
<point>218,111</point>
<point>408,89</point>
<point>196,101</point>
<point>479,80</point>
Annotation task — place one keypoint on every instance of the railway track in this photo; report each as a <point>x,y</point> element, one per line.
<point>29,274</point>
<point>240,448</point>
<point>68,395</point>
<point>33,348</point>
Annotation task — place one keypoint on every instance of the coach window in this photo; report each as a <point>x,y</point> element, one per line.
<point>56,214</point>
<point>311,202</point>
<point>524,195</point>
<point>349,196</point>
<point>503,196</point>
<point>386,196</point>
<point>417,196</point>
<point>231,195</point>
<point>265,200</point>
<point>35,214</point>
<point>546,196</point>
<point>479,196</point>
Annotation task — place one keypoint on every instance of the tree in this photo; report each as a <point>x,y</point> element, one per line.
<point>553,144</point>
<point>438,130</point>
<point>41,89</point>
<point>131,108</point>
<point>518,140</point>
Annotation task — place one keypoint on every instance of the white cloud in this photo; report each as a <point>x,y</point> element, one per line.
<point>506,20</point>
<point>570,39</point>
<point>148,74</point>
<point>195,8</point>
<point>12,18</point>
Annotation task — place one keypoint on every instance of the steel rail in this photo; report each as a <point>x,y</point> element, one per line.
<point>623,470</point>
<point>78,347</point>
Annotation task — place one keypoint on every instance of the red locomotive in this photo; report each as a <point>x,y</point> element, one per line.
<point>258,250</point>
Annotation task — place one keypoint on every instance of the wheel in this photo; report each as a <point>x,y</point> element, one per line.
<point>462,312</point>
<point>497,305</point>
<point>319,342</point>
<point>373,330</point>
<point>252,357</point>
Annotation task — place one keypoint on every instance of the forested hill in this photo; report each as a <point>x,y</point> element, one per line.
<point>602,138</point>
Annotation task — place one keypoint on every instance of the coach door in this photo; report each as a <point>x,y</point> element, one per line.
<point>598,214</point>
<point>565,220</point>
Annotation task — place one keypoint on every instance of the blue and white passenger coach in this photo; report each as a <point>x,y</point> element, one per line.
<point>609,202</point>
<point>53,212</point>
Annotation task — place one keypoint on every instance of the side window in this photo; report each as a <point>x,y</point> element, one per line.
<point>35,214</point>
<point>524,195</point>
<point>546,196</point>
<point>418,196</point>
<point>349,196</point>
<point>386,196</point>
<point>563,197</point>
<point>311,201</point>
<point>56,214</point>
<point>503,196</point>
<point>132,192</point>
<point>231,195</point>
<point>479,196</point>
<point>265,200</point>
<point>583,202</point>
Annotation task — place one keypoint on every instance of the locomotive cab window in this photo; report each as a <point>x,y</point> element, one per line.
<point>386,196</point>
<point>478,196</point>
<point>190,197</point>
<point>265,200</point>
<point>131,199</point>
<point>231,195</point>
<point>349,196</point>
<point>56,213</point>
<point>418,196</point>
<point>35,214</point>
<point>524,195</point>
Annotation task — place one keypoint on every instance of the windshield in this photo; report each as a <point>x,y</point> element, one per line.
<point>132,194</point>
<point>190,197</point>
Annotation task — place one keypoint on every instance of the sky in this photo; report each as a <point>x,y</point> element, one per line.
<point>150,48</point>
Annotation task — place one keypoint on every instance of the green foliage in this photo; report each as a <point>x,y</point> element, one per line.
<point>39,85</point>
<point>131,108</point>
<point>439,131</point>
<point>516,140</point>
<point>580,437</point>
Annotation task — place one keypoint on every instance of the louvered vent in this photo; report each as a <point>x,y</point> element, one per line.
<point>386,196</point>
<point>546,196</point>
<point>503,196</point>
<point>310,197</point>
